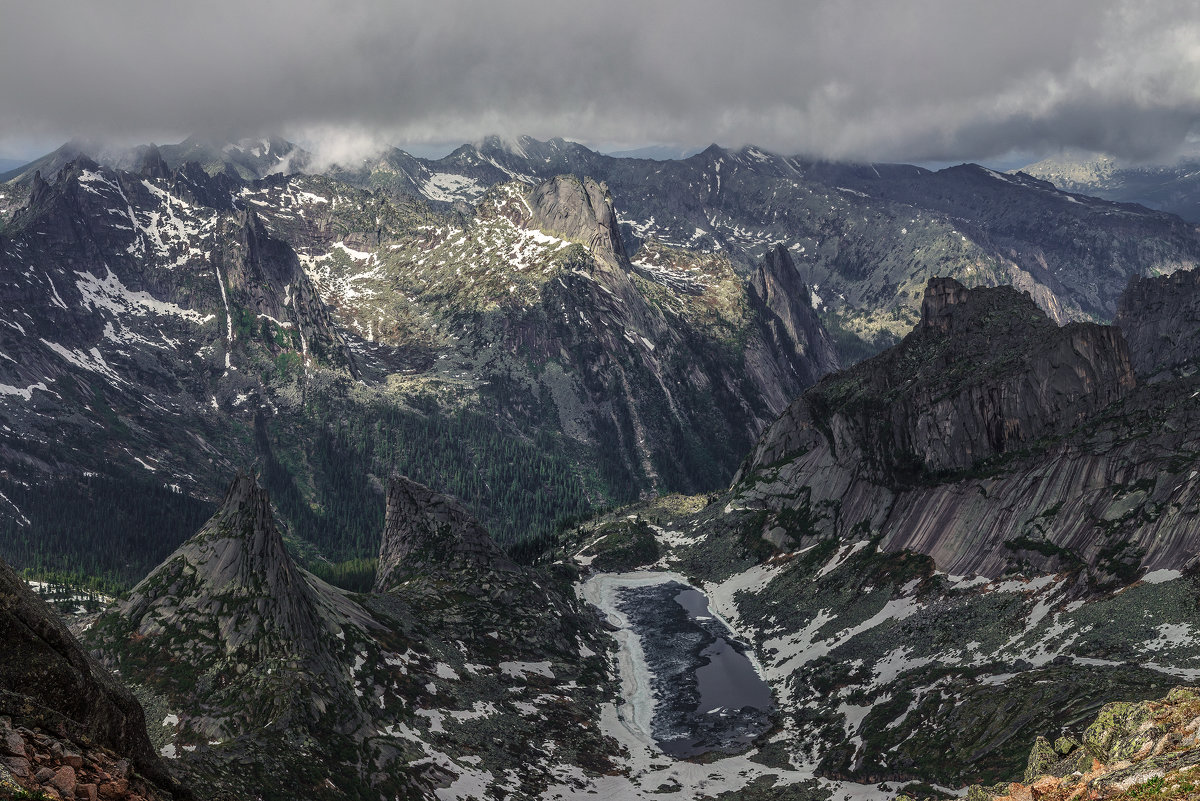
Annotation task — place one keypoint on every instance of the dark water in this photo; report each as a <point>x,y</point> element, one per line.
<point>708,695</point>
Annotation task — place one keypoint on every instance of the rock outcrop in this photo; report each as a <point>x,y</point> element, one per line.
<point>1160,318</point>
<point>426,531</point>
<point>1131,751</point>
<point>51,690</point>
<point>984,373</point>
<point>579,209</point>
<point>234,584</point>
<point>241,646</point>
<point>991,440</point>
<point>785,302</point>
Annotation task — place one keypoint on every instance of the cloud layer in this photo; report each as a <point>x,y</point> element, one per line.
<point>916,80</point>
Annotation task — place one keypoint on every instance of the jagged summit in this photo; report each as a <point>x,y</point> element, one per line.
<point>794,326</point>
<point>233,589</point>
<point>425,530</point>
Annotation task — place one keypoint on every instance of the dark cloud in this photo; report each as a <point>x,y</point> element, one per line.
<point>916,80</point>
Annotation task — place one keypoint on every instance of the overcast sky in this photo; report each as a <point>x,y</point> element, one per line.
<point>906,80</point>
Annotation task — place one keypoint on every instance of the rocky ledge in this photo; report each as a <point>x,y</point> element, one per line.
<point>36,762</point>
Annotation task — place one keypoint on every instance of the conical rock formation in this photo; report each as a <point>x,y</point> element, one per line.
<point>235,582</point>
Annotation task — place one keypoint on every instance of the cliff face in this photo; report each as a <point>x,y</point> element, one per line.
<point>1160,318</point>
<point>991,440</point>
<point>578,209</point>
<point>984,373</point>
<point>186,305</point>
<point>425,530</point>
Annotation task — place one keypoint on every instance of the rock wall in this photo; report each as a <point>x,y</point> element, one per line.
<point>1160,318</point>
<point>992,440</point>
<point>425,530</point>
<point>48,684</point>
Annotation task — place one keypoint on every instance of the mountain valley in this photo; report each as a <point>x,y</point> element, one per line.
<point>471,477</point>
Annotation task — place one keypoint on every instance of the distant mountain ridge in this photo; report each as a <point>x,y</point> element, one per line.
<point>1173,188</point>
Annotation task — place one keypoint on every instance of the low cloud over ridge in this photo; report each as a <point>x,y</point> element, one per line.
<point>862,79</point>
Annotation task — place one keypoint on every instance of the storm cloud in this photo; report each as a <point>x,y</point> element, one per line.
<point>917,80</point>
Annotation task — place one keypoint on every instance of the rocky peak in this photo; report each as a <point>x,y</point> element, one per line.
<point>236,577</point>
<point>941,296</point>
<point>579,209</point>
<point>151,164</point>
<point>786,301</point>
<point>1160,318</point>
<point>983,373</point>
<point>265,276</point>
<point>425,530</point>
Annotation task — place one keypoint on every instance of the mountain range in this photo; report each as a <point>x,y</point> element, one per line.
<point>923,441</point>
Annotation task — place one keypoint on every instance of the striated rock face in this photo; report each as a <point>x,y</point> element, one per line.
<point>235,581</point>
<point>992,440</point>
<point>48,684</point>
<point>1160,318</point>
<point>426,530</point>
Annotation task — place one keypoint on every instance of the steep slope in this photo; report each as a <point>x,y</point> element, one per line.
<point>531,302</point>
<point>130,305</point>
<point>252,650</point>
<point>425,529</point>
<point>984,373</point>
<point>273,684</point>
<point>52,695</point>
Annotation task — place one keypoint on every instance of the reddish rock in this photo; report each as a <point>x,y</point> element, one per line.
<point>112,791</point>
<point>72,759</point>
<point>64,781</point>
<point>18,765</point>
<point>13,744</point>
<point>44,775</point>
<point>88,791</point>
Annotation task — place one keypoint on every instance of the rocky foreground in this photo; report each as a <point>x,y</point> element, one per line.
<point>67,729</point>
<point>1146,750</point>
